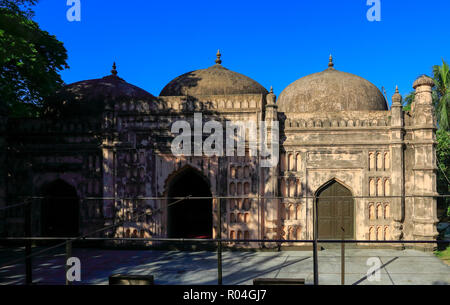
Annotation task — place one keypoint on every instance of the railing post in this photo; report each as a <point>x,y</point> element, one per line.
<point>68,255</point>
<point>315,259</point>
<point>28,244</point>
<point>343,254</point>
<point>219,244</point>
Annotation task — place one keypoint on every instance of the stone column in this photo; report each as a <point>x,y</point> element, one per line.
<point>270,179</point>
<point>397,172</point>
<point>424,142</point>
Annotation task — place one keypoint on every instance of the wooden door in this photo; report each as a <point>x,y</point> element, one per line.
<point>335,210</point>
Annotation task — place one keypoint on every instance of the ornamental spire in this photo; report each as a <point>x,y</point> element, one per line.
<point>396,98</point>
<point>218,60</point>
<point>114,71</point>
<point>330,62</point>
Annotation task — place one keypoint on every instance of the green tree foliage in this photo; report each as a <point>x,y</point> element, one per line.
<point>441,94</point>
<point>30,60</point>
<point>407,101</point>
<point>443,162</point>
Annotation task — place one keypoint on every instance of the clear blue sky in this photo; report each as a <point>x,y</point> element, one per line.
<point>273,42</point>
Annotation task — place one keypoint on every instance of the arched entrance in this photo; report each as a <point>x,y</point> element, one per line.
<point>335,209</point>
<point>191,218</point>
<point>60,210</point>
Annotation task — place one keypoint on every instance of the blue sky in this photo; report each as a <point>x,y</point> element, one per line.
<point>273,42</point>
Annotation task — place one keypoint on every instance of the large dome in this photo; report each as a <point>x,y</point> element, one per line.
<point>216,80</point>
<point>331,91</point>
<point>93,95</point>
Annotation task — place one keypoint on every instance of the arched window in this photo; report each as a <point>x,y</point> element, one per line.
<point>233,172</point>
<point>283,211</point>
<point>386,211</point>
<point>239,188</point>
<point>246,188</point>
<point>380,233</point>
<point>371,211</point>
<point>292,212</point>
<point>372,233</point>
<point>240,172</point>
<point>291,162</point>
<point>292,187</point>
<point>232,235</point>
<point>379,211</point>
<point>247,172</point>
<point>283,162</point>
<point>372,190</point>
<point>283,187</point>
<point>246,204</point>
<point>232,188</point>
<point>387,160</point>
<point>387,188</point>
<point>371,161</point>
<point>379,187</point>
<point>246,235</point>
<point>386,234</point>
<point>239,234</point>
<point>299,162</point>
<point>379,161</point>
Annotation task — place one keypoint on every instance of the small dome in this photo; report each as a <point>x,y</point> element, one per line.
<point>91,96</point>
<point>216,80</point>
<point>331,91</point>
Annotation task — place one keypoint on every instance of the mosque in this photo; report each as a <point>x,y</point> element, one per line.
<point>102,155</point>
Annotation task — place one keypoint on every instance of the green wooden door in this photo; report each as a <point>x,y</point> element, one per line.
<point>335,212</point>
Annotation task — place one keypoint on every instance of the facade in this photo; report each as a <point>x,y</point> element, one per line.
<point>102,155</point>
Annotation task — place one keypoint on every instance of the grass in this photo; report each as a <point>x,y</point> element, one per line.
<point>444,255</point>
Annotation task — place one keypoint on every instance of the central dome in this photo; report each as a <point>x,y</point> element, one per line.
<point>216,80</point>
<point>331,91</point>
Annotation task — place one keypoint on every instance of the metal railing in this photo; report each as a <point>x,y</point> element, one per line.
<point>67,242</point>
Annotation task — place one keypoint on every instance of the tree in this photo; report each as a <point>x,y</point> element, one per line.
<point>441,94</point>
<point>408,101</point>
<point>30,60</point>
<point>443,163</point>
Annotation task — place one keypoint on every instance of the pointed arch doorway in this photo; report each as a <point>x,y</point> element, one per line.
<point>190,218</point>
<point>335,210</point>
<point>60,210</point>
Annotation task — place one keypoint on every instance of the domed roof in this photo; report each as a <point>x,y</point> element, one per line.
<point>216,80</point>
<point>331,90</point>
<point>94,94</point>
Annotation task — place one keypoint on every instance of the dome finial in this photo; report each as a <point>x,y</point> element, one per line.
<point>114,71</point>
<point>218,60</point>
<point>330,62</point>
<point>396,98</point>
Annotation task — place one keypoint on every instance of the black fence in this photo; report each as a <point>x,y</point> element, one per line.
<point>19,250</point>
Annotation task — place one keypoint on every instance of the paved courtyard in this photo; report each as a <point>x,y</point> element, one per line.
<point>200,268</point>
